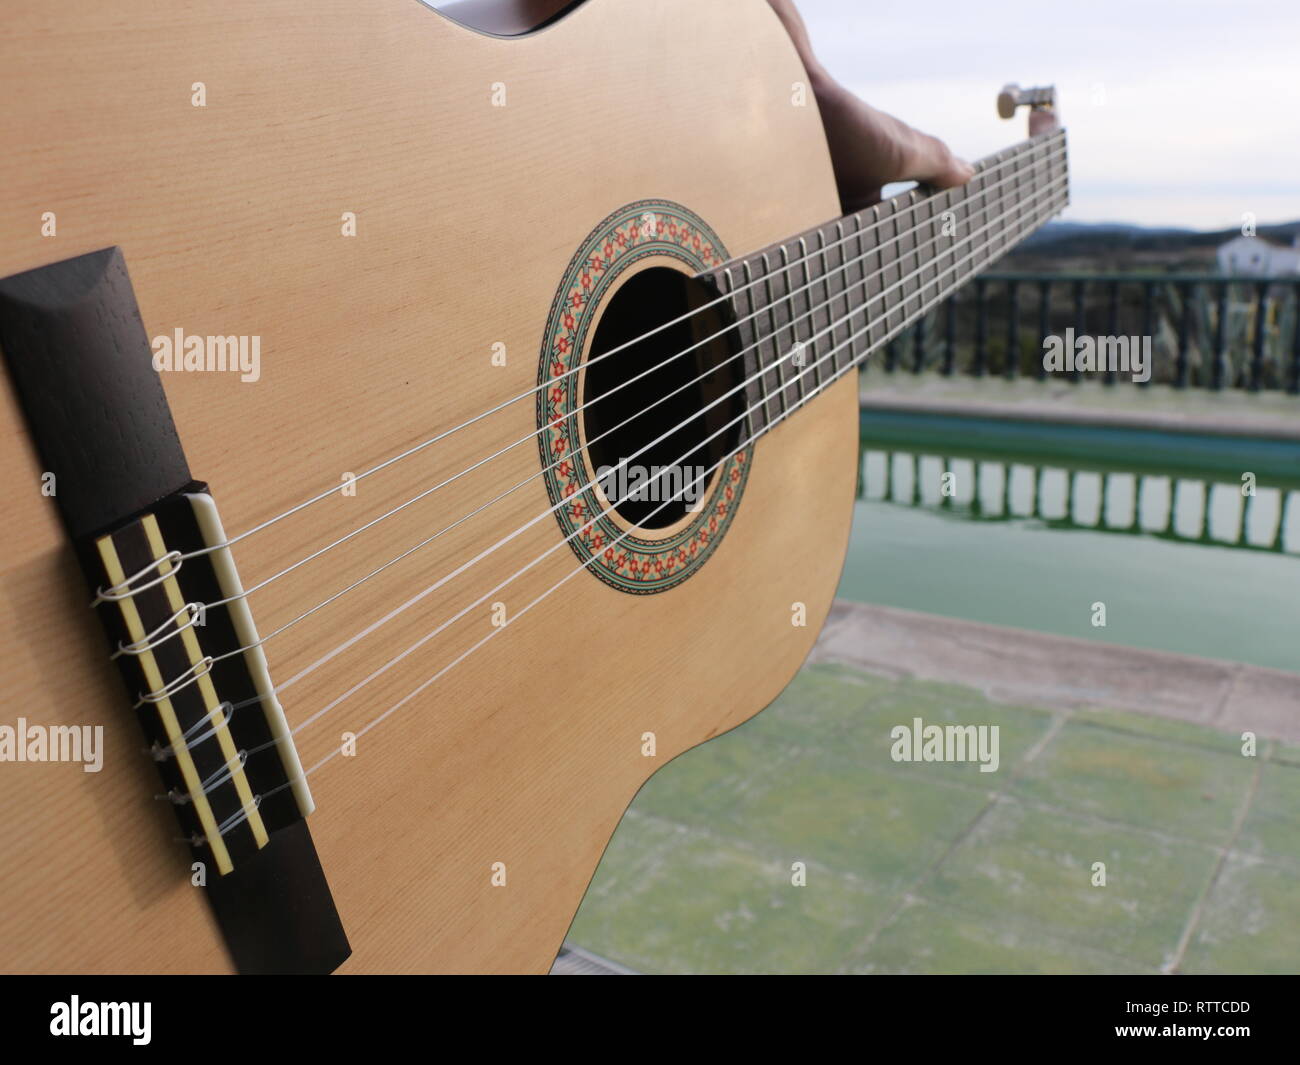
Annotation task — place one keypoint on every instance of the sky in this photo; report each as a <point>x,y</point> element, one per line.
<point>1182,114</point>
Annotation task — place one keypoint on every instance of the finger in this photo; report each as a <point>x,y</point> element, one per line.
<point>934,164</point>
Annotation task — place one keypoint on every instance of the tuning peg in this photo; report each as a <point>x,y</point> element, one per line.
<point>1040,101</point>
<point>1013,96</point>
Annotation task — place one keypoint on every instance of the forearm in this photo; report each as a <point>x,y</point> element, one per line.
<point>869,148</point>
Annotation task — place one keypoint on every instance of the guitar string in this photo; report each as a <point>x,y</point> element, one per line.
<point>837,372</point>
<point>464,567</point>
<point>848,318</point>
<point>235,819</point>
<point>177,557</point>
<point>974,187</point>
<point>533,435</point>
<point>843,268</point>
<point>763,372</point>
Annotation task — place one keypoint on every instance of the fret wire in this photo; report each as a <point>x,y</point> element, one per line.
<point>797,384</point>
<point>778,363</point>
<point>856,266</point>
<point>812,318</point>
<point>842,269</point>
<point>889,259</point>
<point>871,275</point>
<point>826,287</point>
<point>758,341</point>
<point>916,267</point>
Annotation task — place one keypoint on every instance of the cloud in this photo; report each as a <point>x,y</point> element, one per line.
<point>1185,114</point>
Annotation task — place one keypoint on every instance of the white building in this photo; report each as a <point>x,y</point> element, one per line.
<point>1254,257</point>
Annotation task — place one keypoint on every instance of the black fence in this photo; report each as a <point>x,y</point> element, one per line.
<point>1206,331</point>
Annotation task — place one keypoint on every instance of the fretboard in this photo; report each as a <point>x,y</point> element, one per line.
<point>810,308</point>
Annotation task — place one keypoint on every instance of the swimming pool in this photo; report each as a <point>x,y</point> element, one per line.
<point>1181,563</point>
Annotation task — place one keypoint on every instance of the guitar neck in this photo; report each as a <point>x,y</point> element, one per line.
<point>810,308</point>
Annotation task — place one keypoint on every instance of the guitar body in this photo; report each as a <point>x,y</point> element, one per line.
<point>468,217</point>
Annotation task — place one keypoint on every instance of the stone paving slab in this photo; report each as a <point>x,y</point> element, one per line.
<point>939,868</point>
<point>1014,665</point>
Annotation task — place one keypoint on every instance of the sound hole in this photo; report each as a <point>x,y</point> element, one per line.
<point>662,480</point>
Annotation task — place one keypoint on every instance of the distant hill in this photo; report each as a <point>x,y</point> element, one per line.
<point>1090,238</point>
<point>1119,246</point>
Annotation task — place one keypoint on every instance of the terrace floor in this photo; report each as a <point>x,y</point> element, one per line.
<point>1128,757</point>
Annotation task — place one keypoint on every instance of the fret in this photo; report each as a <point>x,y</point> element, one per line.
<point>739,338</point>
<point>933,241</point>
<point>843,311</point>
<point>870,251</point>
<point>851,229</point>
<point>995,189</point>
<point>996,218</point>
<point>810,322</point>
<point>776,373</point>
<point>798,361</point>
<point>947,243</point>
<point>825,319</point>
<point>836,310</point>
<point>909,257</point>
<point>758,371</point>
<point>890,274</point>
<point>822,319</point>
<point>742,342</point>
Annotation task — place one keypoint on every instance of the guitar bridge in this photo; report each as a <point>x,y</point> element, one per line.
<point>188,649</point>
<point>165,587</point>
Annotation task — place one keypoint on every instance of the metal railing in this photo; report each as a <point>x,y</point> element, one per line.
<point>1207,330</point>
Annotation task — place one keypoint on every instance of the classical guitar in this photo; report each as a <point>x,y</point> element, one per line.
<point>413,437</point>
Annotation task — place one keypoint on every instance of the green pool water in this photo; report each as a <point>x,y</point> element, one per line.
<point>1180,564</point>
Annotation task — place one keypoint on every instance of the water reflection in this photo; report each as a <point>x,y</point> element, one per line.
<point>1187,510</point>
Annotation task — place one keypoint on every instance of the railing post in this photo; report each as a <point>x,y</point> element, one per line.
<point>1294,385</point>
<point>981,328</point>
<point>1044,323</point>
<point>891,355</point>
<point>1261,332</point>
<point>1012,367</point>
<point>1149,323</point>
<point>1080,319</point>
<point>918,346</point>
<point>1221,367</point>
<point>1112,322</point>
<point>1184,335</point>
